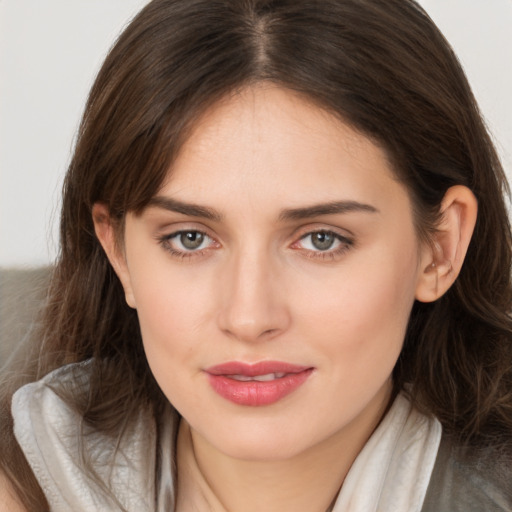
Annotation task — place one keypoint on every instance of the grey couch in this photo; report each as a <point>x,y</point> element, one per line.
<point>22,292</point>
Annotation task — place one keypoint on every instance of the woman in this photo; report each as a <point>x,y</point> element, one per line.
<point>284,275</point>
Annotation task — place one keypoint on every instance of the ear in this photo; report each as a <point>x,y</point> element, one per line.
<point>106,232</point>
<point>442,259</point>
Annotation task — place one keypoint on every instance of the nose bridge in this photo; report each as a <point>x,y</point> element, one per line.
<point>253,307</point>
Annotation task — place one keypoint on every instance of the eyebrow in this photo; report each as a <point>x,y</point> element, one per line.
<point>195,210</point>
<point>334,207</point>
<point>190,209</point>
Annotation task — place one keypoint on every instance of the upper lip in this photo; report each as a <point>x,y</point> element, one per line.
<point>254,369</point>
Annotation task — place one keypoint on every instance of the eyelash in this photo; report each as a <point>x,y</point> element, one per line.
<point>345,244</point>
<point>166,242</point>
<point>329,254</point>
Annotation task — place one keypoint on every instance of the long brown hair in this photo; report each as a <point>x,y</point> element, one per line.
<point>380,65</point>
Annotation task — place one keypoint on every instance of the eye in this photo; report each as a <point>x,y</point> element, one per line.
<point>186,242</point>
<point>191,240</point>
<point>323,244</point>
<point>320,241</point>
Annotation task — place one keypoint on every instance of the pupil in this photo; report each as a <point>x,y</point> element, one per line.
<point>191,239</point>
<point>323,241</point>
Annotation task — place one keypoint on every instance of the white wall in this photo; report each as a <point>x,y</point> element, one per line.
<point>51,49</point>
<point>481,33</point>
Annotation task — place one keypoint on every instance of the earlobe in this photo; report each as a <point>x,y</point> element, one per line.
<point>442,259</point>
<point>106,233</point>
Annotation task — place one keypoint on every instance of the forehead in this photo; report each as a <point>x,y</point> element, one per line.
<point>266,140</point>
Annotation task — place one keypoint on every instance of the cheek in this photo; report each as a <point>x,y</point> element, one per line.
<point>170,314</point>
<point>359,316</point>
<point>169,296</point>
<point>174,307</point>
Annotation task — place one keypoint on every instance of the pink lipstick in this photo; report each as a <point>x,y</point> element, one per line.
<point>257,384</point>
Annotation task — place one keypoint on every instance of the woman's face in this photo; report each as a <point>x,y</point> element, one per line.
<point>273,276</point>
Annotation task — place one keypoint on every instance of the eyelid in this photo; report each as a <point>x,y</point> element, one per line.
<point>341,233</point>
<point>325,223</point>
<point>338,236</point>
<point>346,242</point>
<point>168,230</point>
<point>164,238</point>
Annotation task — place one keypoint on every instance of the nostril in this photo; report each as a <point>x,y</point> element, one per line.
<point>268,333</point>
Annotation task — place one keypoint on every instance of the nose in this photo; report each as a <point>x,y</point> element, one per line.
<point>254,305</point>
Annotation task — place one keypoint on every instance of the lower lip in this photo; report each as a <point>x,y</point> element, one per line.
<point>256,393</point>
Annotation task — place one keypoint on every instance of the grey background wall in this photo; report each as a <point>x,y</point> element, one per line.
<point>50,51</point>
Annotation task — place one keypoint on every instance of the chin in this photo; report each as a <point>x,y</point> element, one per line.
<point>261,442</point>
<point>259,450</point>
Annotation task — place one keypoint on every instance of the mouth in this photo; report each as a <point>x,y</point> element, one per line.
<point>257,384</point>
<point>259,378</point>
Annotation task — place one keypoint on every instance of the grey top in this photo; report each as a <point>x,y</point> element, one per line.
<point>464,482</point>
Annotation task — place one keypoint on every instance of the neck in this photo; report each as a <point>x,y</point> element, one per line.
<point>216,482</point>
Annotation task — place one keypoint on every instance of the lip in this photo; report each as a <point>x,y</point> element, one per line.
<point>223,380</point>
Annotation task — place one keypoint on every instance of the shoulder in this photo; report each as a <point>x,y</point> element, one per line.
<point>466,481</point>
<point>75,462</point>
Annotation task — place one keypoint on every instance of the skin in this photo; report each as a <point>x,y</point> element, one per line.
<point>9,501</point>
<point>258,289</point>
